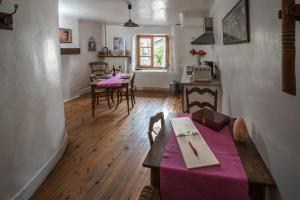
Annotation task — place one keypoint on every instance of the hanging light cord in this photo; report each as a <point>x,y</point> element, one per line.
<point>129,8</point>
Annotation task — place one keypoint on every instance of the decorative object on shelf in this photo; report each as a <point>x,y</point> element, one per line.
<point>240,131</point>
<point>65,35</point>
<point>118,44</point>
<point>108,53</point>
<point>130,23</point>
<point>290,14</point>
<point>92,44</point>
<point>6,19</point>
<point>198,54</point>
<point>236,24</point>
<point>104,51</point>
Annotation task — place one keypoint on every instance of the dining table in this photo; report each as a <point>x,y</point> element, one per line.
<point>119,81</point>
<point>256,171</point>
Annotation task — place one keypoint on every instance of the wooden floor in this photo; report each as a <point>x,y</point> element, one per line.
<point>105,154</point>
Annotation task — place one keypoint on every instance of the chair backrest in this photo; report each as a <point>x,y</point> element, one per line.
<point>132,81</point>
<point>119,69</point>
<point>98,68</point>
<point>154,119</point>
<point>198,103</point>
<point>92,77</point>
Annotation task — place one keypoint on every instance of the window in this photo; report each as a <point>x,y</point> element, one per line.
<point>152,51</point>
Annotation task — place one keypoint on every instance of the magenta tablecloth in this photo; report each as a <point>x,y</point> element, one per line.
<point>113,81</point>
<point>226,181</point>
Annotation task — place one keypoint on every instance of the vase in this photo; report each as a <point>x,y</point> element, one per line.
<point>198,60</point>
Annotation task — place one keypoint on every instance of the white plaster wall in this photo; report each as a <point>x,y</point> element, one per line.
<point>31,104</point>
<point>251,78</point>
<point>75,71</point>
<point>183,38</point>
<point>180,39</point>
<point>75,68</point>
<point>70,23</point>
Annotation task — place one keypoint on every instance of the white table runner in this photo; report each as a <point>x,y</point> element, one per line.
<point>186,132</point>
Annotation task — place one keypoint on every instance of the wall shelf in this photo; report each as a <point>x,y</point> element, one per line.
<point>69,51</point>
<point>113,56</point>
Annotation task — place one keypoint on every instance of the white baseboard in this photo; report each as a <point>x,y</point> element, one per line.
<point>80,93</point>
<point>27,191</point>
<point>153,89</point>
<point>84,91</point>
<point>72,98</point>
<point>87,90</point>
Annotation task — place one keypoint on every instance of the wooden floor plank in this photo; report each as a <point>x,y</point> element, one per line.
<point>105,154</point>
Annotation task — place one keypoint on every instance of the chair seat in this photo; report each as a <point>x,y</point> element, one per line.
<point>99,90</point>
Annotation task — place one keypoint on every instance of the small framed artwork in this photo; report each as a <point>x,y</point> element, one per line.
<point>236,24</point>
<point>65,35</point>
<point>92,44</point>
<point>118,44</point>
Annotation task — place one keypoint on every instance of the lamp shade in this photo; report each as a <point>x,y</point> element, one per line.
<point>130,23</point>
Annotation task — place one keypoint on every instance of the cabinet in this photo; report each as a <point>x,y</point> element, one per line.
<point>188,83</point>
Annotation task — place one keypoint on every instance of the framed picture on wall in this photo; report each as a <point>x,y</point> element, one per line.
<point>65,35</point>
<point>118,44</point>
<point>92,44</point>
<point>236,24</point>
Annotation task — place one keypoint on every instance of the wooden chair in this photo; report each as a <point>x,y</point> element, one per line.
<point>149,193</point>
<point>201,104</point>
<point>101,92</point>
<point>154,119</point>
<point>122,92</point>
<point>98,68</point>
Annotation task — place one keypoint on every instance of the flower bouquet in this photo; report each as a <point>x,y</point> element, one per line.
<point>199,55</point>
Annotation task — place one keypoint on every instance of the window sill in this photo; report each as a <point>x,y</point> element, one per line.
<point>151,70</point>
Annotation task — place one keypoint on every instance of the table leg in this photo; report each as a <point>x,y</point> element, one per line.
<point>93,95</point>
<point>112,96</point>
<point>127,98</point>
<point>258,192</point>
<point>182,104</point>
<point>155,177</point>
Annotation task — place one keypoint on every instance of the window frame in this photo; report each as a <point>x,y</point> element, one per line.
<point>138,47</point>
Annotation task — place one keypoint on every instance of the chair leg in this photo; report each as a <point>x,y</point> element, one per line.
<point>112,96</point>
<point>121,95</point>
<point>132,102</point>
<point>97,100</point>
<point>118,99</point>
<point>127,98</point>
<point>108,97</point>
<point>133,95</point>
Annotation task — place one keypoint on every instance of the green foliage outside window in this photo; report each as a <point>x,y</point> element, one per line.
<point>158,56</point>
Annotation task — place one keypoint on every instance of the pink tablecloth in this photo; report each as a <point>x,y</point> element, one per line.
<point>113,81</point>
<point>226,181</point>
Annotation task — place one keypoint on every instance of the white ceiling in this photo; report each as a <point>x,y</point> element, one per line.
<point>144,12</point>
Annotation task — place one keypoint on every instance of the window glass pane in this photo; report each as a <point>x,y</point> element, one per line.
<point>145,51</point>
<point>159,51</point>
<point>145,61</point>
<point>145,42</point>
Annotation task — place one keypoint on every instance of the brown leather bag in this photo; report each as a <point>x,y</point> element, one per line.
<point>211,119</point>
